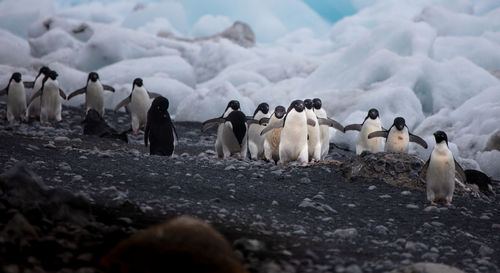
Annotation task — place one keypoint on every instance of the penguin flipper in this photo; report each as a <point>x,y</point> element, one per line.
<point>175,131</point>
<point>153,95</point>
<point>28,84</point>
<point>77,92</point>
<point>272,126</point>
<point>332,123</point>
<point>462,177</point>
<point>122,103</point>
<point>416,139</point>
<point>264,121</point>
<point>108,88</point>
<point>3,91</point>
<point>311,122</point>
<point>62,94</point>
<point>378,134</point>
<point>423,171</point>
<point>146,132</point>
<point>251,121</point>
<point>211,123</point>
<point>353,127</point>
<point>38,93</point>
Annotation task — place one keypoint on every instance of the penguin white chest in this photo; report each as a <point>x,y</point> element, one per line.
<point>440,175</point>
<point>293,139</point>
<point>373,145</point>
<point>255,140</point>
<point>94,97</point>
<point>16,101</point>
<point>139,106</point>
<point>397,140</point>
<point>50,102</point>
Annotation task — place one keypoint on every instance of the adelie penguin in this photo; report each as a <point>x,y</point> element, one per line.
<point>325,122</point>
<point>370,124</point>
<point>227,142</point>
<point>272,138</point>
<point>16,98</point>
<point>94,93</point>
<point>139,104</point>
<point>50,95</point>
<point>398,137</point>
<point>160,129</point>
<point>293,138</point>
<point>255,140</point>
<point>313,133</point>
<point>439,171</point>
<point>34,105</point>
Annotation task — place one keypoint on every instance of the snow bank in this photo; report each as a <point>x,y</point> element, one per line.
<point>14,50</point>
<point>17,15</point>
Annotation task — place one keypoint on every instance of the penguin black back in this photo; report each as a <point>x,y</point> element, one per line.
<point>159,128</point>
<point>238,121</point>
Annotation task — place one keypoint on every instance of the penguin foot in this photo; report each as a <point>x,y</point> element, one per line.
<point>448,203</point>
<point>433,203</point>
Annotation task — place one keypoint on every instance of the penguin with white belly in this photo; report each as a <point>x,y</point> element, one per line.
<point>94,93</point>
<point>50,96</point>
<point>313,133</point>
<point>439,171</point>
<point>255,140</point>
<point>139,105</point>
<point>324,123</point>
<point>398,137</point>
<point>293,138</point>
<point>272,139</point>
<point>232,137</point>
<point>16,98</point>
<point>34,105</point>
<point>370,124</point>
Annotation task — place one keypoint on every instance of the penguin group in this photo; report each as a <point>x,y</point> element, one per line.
<point>45,104</point>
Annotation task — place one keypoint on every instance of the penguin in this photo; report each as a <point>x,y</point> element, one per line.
<point>313,133</point>
<point>34,105</point>
<point>493,142</point>
<point>293,138</point>
<point>160,129</point>
<point>49,93</point>
<point>233,137</point>
<point>398,137</point>
<point>139,105</point>
<point>16,98</point>
<point>232,105</point>
<point>272,139</point>
<point>324,123</point>
<point>439,171</point>
<point>483,182</point>
<point>255,140</point>
<point>94,124</point>
<point>94,93</point>
<point>182,244</point>
<point>370,124</point>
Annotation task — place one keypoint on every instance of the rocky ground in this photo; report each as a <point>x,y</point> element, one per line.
<point>81,194</point>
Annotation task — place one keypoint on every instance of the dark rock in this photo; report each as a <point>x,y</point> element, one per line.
<point>427,268</point>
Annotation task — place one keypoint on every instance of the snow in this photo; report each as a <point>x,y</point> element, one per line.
<point>429,61</point>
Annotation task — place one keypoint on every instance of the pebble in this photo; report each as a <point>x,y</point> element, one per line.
<point>353,268</point>
<point>372,187</point>
<point>230,168</point>
<point>305,180</point>
<point>411,206</point>
<point>77,178</point>
<point>64,166</point>
<point>346,233</point>
<point>61,138</point>
<point>381,229</point>
<point>175,187</point>
<point>485,250</point>
<point>385,196</point>
<point>431,209</point>
<point>405,192</point>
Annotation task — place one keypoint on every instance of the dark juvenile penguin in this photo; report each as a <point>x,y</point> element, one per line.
<point>398,137</point>
<point>160,129</point>
<point>439,171</point>
<point>94,124</point>
<point>94,93</point>
<point>483,182</point>
<point>183,244</point>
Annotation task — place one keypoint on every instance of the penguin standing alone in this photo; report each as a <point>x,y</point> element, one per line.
<point>370,124</point>
<point>94,93</point>
<point>439,171</point>
<point>398,137</point>
<point>160,129</point>
<point>16,98</point>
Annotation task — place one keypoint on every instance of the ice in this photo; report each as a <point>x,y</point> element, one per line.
<point>472,48</point>
<point>17,15</point>
<point>14,50</point>
<point>208,25</point>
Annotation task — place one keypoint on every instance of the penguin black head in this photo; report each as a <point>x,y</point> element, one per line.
<point>53,75</point>
<point>298,105</point>
<point>238,122</point>
<point>43,70</point>
<point>159,108</point>
<point>263,107</point>
<point>93,76</point>
<point>400,123</point>
<point>138,82</point>
<point>279,111</point>
<point>308,103</point>
<point>16,76</point>
<point>317,103</point>
<point>441,136</point>
<point>373,113</point>
<point>234,104</point>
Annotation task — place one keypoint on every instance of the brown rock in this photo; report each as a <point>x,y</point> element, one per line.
<point>427,268</point>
